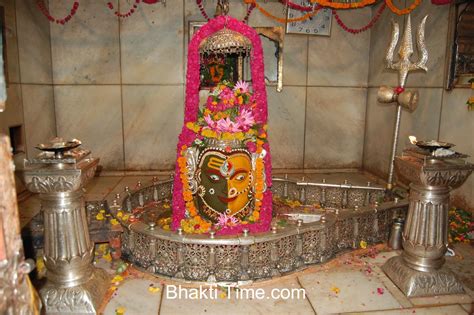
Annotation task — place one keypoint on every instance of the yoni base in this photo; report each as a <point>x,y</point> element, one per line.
<point>81,299</point>
<point>417,283</point>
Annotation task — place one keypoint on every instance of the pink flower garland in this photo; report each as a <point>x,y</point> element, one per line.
<point>191,114</point>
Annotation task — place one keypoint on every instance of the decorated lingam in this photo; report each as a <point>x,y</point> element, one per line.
<point>217,220</point>
<point>223,167</point>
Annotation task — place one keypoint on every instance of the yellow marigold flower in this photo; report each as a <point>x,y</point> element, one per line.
<point>209,133</point>
<point>107,257</point>
<point>335,290</point>
<point>114,222</point>
<point>227,136</point>
<point>192,126</point>
<point>117,278</point>
<point>240,136</point>
<point>363,244</point>
<point>153,289</point>
<point>120,310</point>
<point>99,217</point>
<point>256,215</point>
<point>119,214</point>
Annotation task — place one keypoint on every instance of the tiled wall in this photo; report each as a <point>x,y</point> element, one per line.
<point>119,86</point>
<point>30,100</point>
<point>440,114</point>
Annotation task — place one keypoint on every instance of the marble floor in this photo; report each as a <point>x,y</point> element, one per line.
<point>352,283</point>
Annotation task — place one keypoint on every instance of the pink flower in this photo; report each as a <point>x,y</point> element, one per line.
<point>226,94</point>
<point>245,120</point>
<point>241,86</point>
<point>211,123</point>
<point>251,146</point>
<point>225,220</point>
<point>227,125</point>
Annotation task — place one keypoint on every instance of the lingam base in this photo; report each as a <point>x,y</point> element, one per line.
<point>346,218</point>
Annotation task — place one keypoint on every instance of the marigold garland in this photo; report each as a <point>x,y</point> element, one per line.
<point>283,20</point>
<point>338,5</point>
<point>362,29</point>
<point>402,11</point>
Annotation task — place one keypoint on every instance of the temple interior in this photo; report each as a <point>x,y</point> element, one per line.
<point>118,76</point>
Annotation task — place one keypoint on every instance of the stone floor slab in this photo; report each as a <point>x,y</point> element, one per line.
<point>234,303</point>
<point>341,291</point>
<point>134,297</point>
<point>441,310</point>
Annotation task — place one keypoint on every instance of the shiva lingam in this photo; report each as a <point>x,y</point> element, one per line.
<point>223,161</point>
<point>58,175</point>
<point>403,98</point>
<point>419,270</point>
<point>216,220</point>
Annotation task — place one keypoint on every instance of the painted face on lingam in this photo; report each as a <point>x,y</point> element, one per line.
<point>225,181</point>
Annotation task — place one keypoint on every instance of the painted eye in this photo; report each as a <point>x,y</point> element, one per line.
<point>214,177</point>
<point>240,177</point>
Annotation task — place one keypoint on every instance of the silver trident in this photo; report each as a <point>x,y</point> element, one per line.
<point>407,99</point>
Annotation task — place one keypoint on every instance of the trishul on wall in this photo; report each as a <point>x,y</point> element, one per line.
<point>403,98</point>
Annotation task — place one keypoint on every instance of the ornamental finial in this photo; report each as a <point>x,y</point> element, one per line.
<point>404,65</point>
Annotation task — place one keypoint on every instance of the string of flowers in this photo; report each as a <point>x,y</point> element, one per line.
<point>340,5</point>
<point>42,7</point>
<point>283,20</point>
<point>188,136</point>
<point>202,10</point>
<point>362,29</point>
<point>204,13</point>
<point>126,14</point>
<point>249,11</point>
<point>295,6</point>
<point>402,11</point>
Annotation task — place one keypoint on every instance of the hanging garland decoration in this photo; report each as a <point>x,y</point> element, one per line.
<point>132,9</point>
<point>295,6</point>
<point>249,11</point>
<point>283,20</point>
<point>402,11</point>
<point>362,29</point>
<point>339,5</point>
<point>203,11</point>
<point>42,7</point>
<point>204,14</point>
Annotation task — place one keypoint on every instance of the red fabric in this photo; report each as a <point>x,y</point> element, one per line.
<point>441,2</point>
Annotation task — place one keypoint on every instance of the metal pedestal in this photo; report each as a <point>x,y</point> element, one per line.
<point>419,271</point>
<point>74,285</point>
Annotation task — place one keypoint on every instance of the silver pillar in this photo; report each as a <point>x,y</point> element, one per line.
<point>74,285</point>
<point>420,270</point>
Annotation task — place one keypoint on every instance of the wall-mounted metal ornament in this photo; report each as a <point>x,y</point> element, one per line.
<point>407,99</point>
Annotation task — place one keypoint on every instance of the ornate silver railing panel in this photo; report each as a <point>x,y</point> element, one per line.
<point>351,214</point>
